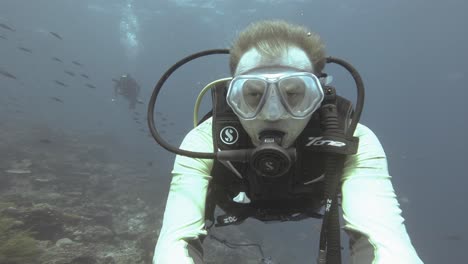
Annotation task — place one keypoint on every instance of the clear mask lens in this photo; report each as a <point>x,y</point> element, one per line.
<point>300,94</point>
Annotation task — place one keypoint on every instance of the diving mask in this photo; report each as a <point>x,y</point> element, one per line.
<point>300,93</point>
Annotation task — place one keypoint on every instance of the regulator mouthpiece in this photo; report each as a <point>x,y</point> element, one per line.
<point>270,159</point>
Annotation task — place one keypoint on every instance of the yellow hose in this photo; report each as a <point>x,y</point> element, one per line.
<point>202,93</point>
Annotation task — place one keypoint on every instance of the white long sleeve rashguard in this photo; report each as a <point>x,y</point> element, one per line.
<point>371,210</point>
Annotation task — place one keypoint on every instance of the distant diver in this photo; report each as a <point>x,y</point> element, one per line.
<point>128,88</point>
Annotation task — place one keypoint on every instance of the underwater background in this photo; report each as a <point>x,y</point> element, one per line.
<point>81,180</point>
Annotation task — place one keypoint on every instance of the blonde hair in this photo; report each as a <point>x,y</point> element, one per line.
<point>272,37</point>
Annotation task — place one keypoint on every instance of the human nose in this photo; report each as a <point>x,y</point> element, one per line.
<point>273,109</point>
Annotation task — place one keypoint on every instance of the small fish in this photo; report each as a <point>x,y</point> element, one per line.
<point>454,237</point>
<point>84,76</point>
<point>164,119</point>
<point>25,49</point>
<point>7,74</point>
<point>3,37</point>
<point>150,163</point>
<point>135,118</point>
<point>45,141</point>
<point>7,27</point>
<point>138,122</point>
<point>70,73</point>
<point>57,59</point>
<point>136,113</point>
<point>115,80</point>
<point>77,63</point>
<point>56,99</point>
<point>90,86</point>
<point>142,129</point>
<point>60,83</point>
<point>18,171</point>
<point>56,35</point>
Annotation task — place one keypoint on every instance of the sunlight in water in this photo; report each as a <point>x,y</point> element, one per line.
<point>129,28</point>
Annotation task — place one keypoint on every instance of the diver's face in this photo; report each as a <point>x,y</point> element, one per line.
<point>273,116</point>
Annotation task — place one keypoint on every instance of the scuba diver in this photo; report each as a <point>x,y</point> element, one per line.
<point>128,88</point>
<point>281,145</point>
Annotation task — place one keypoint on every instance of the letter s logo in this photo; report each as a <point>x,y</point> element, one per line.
<point>269,165</point>
<point>229,135</point>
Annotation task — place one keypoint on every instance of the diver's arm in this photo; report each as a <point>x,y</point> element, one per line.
<point>184,216</point>
<point>370,207</point>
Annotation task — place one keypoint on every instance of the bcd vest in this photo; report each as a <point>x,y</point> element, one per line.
<point>291,197</point>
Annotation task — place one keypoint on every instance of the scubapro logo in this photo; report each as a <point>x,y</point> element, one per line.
<point>229,135</point>
<point>317,141</point>
<point>269,165</point>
